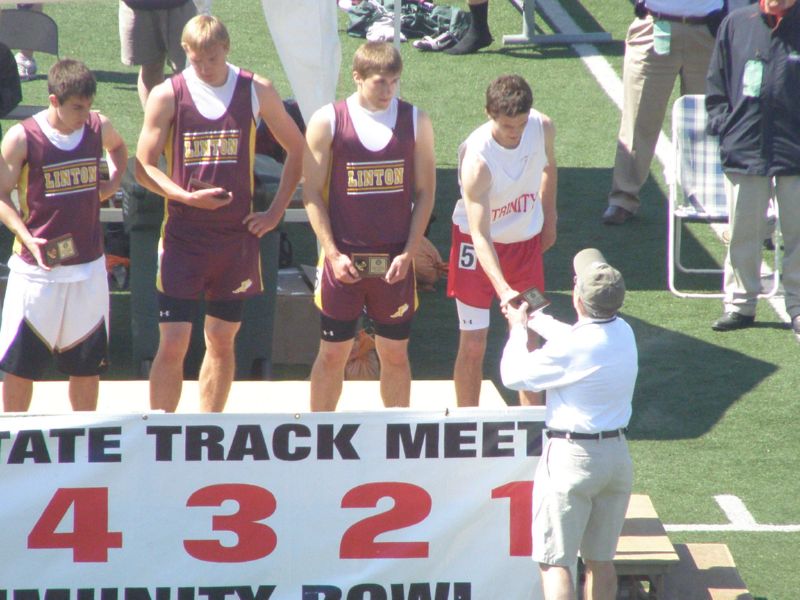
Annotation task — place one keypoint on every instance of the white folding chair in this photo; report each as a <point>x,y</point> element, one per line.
<point>697,191</point>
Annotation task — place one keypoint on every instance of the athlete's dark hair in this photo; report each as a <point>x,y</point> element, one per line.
<point>508,95</point>
<point>69,77</point>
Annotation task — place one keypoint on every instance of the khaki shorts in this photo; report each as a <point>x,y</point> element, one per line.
<point>580,496</point>
<point>153,36</point>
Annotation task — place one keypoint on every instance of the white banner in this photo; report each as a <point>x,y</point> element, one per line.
<point>389,505</point>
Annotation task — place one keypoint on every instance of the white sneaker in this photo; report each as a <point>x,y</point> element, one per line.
<point>26,67</point>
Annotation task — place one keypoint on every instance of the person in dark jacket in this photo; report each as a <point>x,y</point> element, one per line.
<point>10,90</point>
<point>753,87</point>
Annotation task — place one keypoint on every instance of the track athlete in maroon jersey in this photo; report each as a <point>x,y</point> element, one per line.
<point>503,223</point>
<point>370,179</point>
<point>204,120</point>
<point>56,302</point>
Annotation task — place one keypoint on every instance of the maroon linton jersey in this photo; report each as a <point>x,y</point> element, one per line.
<point>216,151</point>
<point>59,191</point>
<point>370,194</point>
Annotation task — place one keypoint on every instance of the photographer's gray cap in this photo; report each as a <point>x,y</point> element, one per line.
<point>599,285</point>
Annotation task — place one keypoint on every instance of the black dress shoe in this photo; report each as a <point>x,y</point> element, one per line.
<point>615,215</point>
<point>733,320</point>
<point>796,327</point>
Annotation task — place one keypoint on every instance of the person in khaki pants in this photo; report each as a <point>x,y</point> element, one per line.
<point>751,98</point>
<point>668,38</point>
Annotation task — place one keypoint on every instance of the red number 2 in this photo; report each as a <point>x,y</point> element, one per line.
<point>411,505</point>
<point>90,538</point>
<point>256,540</point>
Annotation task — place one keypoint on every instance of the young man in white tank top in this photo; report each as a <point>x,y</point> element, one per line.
<point>503,223</point>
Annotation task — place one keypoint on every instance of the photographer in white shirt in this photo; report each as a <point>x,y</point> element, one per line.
<point>584,478</point>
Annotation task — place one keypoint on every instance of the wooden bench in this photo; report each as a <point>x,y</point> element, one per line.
<point>705,572</point>
<point>644,552</point>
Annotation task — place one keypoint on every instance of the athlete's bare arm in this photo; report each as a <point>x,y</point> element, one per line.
<point>13,151</point>
<point>547,190</point>
<point>316,165</point>
<point>289,137</point>
<point>476,180</point>
<point>159,114</point>
<point>117,158</point>
<point>425,195</point>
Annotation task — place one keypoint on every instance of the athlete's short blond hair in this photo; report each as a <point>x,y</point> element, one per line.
<point>374,58</point>
<point>204,32</point>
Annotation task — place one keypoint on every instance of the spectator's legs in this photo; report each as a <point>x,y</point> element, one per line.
<point>697,44</point>
<point>647,80</point>
<point>327,374</point>
<point>556,582</point>
<point>787,192</point>
<point>478,35</point>
<point>748,197</point>
<point>166,373</point>
<point>17,393</point>
<point>468,370</point>
<point>395,372</point>
<point>83,392</point>
<point>149,77</point>
<point>219,364</point>
<point>26,63</point>
<point>601,580</point>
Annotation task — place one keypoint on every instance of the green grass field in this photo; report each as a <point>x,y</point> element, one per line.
<point>713,412</point>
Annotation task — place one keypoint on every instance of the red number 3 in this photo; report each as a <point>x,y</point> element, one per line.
<point>256,540</point>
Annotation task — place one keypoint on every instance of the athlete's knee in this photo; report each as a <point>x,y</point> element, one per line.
<point>393,355</point>
<point>472,346</point>
<point>333,355</point>
<point>220,335</point>
<point>173,343</point>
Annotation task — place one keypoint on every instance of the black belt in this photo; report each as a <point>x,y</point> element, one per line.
<point>679,19</point>
<point>572,435</point>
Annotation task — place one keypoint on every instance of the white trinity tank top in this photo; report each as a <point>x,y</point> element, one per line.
<point>515,206</point>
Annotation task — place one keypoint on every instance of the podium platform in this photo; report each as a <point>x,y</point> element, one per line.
<point>50,397</point>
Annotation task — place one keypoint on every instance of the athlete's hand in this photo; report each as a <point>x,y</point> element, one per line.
<point>210,199</point>
<point>508,295</point>
<point>107,188</point>
<point>259,223</point>
<point>343,269</point>
<point>34,245</point>
<point>399,268</point>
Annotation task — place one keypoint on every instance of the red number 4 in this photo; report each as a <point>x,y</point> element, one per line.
<point>90,538</point>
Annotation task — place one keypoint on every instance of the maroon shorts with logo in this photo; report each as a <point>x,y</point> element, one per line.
<point>221,263</point>
<point>384,303</point>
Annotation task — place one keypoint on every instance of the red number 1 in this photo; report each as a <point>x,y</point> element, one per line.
<point>90,538</point>
<point>520,495</point>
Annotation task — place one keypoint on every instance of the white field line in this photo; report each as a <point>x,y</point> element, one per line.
<point>739,519</point>
<point>611,84</point>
